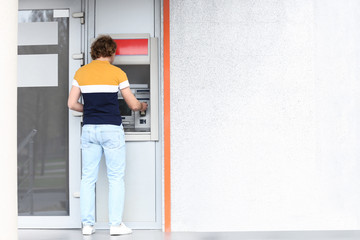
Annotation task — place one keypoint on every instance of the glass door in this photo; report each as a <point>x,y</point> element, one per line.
<point>48,136</point>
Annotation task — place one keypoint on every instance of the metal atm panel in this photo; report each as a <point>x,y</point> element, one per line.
<point>137,55</point>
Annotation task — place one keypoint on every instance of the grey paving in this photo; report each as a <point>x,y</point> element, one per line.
<point>158,235</point>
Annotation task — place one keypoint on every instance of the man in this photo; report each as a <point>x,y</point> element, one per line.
<point>102,132</point>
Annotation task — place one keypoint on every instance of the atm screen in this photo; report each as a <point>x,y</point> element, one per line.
<point>124,109</point>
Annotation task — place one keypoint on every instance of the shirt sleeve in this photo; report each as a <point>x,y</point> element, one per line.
<point>124,84</point>
<point>75,83</point>
<point>123,81</point>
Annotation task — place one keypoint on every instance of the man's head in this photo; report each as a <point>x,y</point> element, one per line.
<point>103,46</point>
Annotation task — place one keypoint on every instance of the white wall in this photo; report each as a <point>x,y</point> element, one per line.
<point>8,158</point>
<point>124,16</point>
<point>265,113</point>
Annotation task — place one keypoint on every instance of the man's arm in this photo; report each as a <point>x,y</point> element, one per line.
<point>131,100</point>
<point>73,99</point>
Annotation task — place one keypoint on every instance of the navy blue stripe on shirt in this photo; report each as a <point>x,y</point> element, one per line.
<point>101,108</point>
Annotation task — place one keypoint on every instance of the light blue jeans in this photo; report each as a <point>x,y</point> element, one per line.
<point>96,140</point>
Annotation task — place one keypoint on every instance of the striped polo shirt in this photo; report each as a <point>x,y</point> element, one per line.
<point>99,83</point>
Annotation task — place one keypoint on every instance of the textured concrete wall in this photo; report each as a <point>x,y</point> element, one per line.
<point>265,99</point>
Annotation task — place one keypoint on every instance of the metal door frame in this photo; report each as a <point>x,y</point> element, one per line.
<point>75,38</point>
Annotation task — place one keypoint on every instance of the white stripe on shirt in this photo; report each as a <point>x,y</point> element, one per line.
<point>124,84</point>
<point>99,88</point>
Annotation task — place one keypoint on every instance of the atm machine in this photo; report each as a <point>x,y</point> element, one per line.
<point>137,56</point>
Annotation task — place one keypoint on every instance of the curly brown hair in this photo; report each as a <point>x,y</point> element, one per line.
<point>103,46</point>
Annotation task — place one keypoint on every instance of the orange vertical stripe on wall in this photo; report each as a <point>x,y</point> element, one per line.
<point>167,169</point>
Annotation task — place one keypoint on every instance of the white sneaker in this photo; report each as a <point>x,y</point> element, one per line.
<point>120,230</point>
<point>88,230</point>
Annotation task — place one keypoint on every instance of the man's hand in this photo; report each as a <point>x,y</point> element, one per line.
<point>144,106</point>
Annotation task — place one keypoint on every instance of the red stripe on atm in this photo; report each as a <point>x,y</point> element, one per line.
<point>131,46</point>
